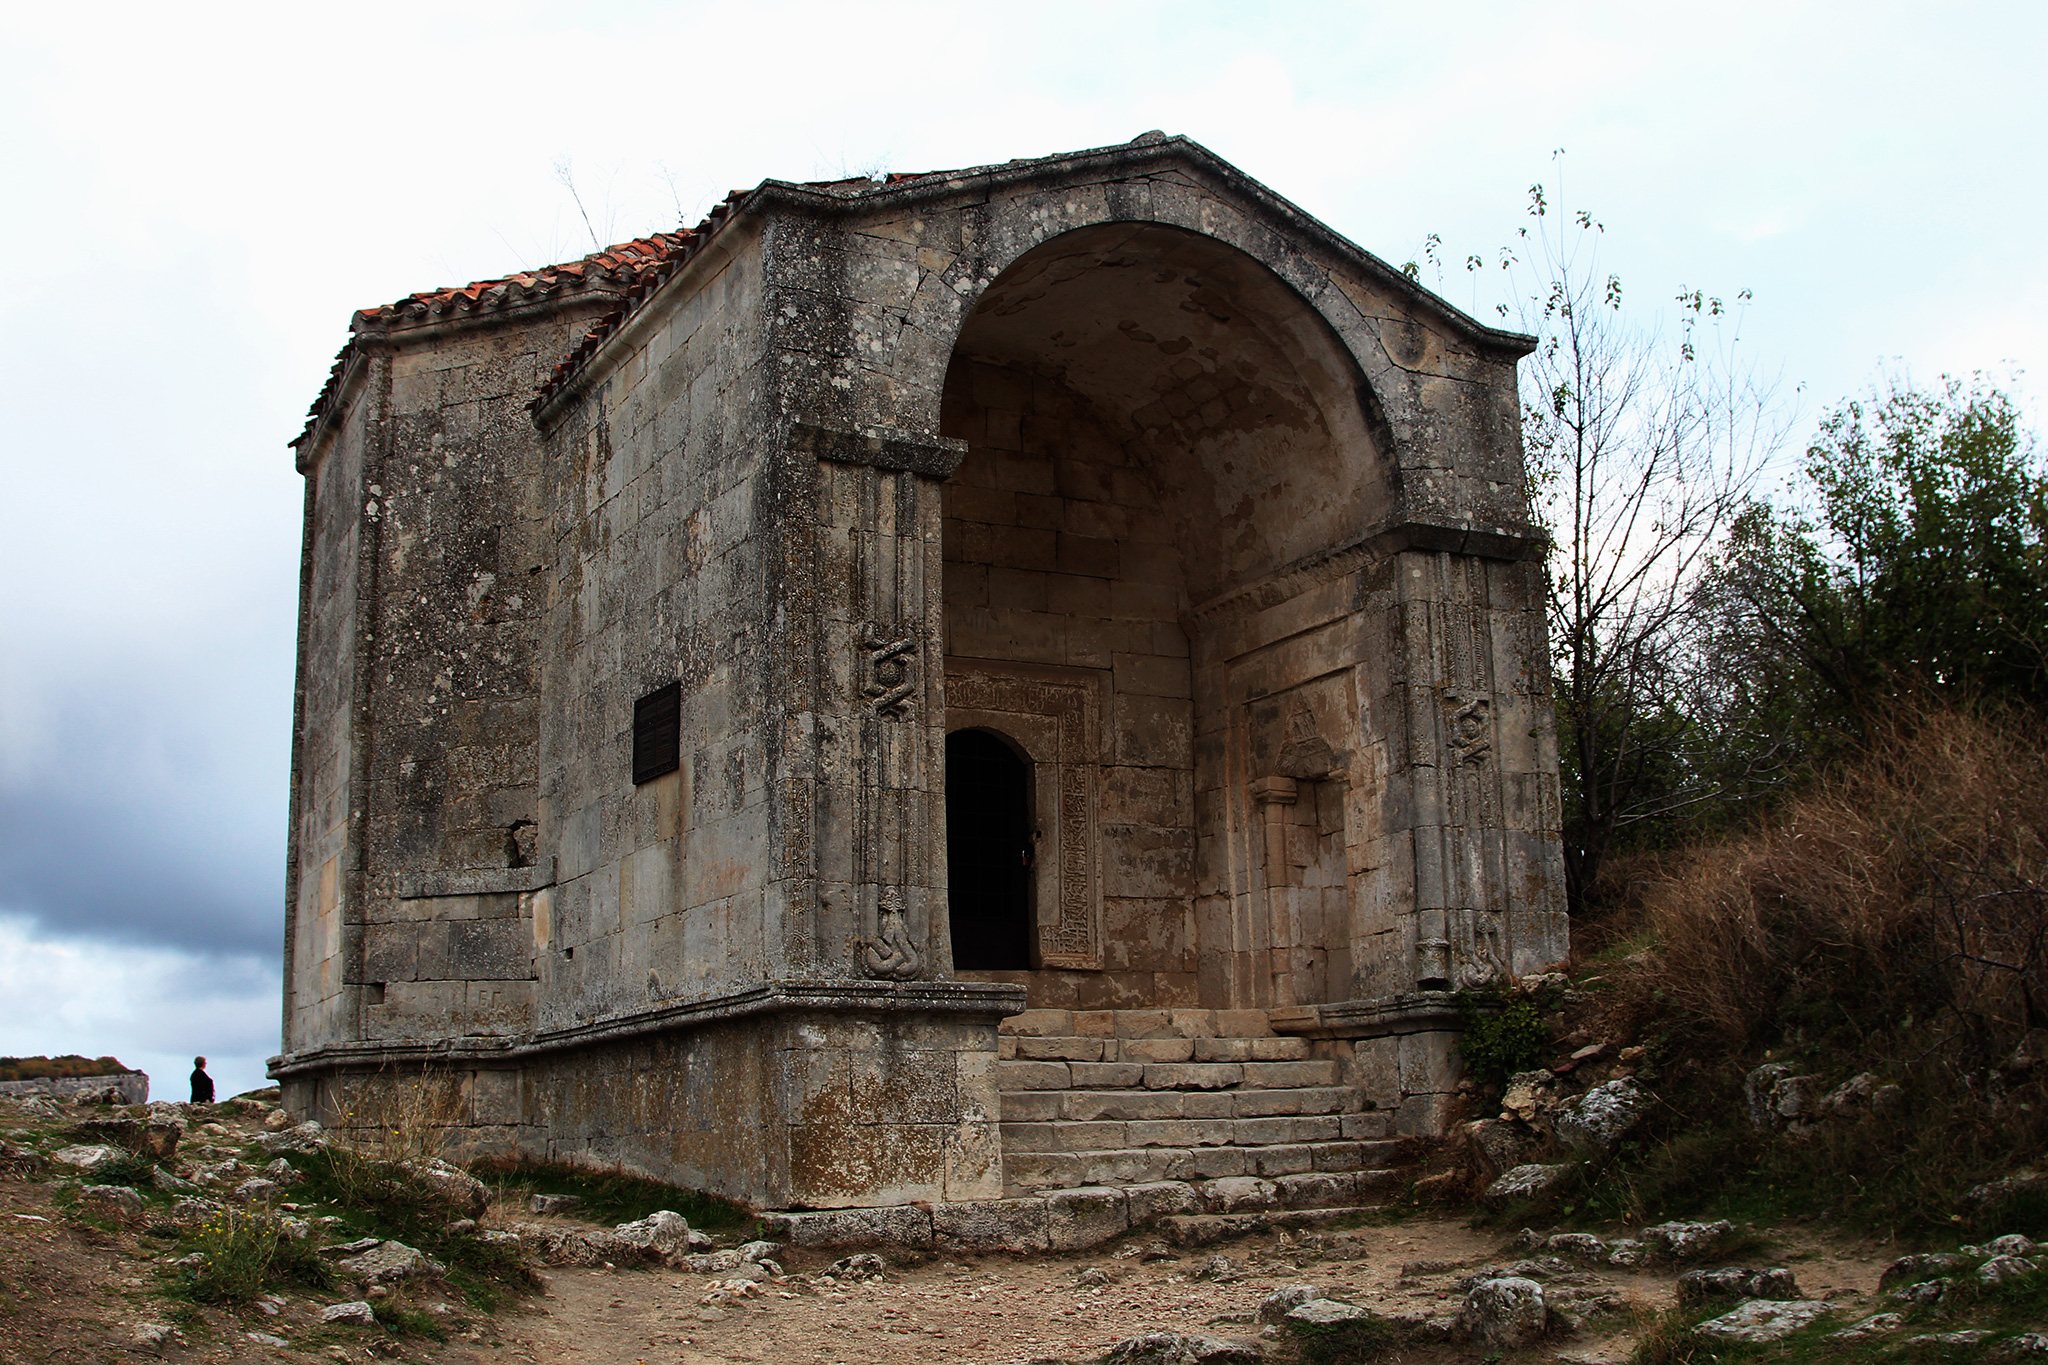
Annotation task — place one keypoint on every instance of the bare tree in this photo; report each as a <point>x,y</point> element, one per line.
<point>1642,447</point>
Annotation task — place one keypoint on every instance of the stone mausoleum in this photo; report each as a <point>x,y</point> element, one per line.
<point>1017,689</point>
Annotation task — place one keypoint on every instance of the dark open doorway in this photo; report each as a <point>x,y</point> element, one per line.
<point>988,853</point>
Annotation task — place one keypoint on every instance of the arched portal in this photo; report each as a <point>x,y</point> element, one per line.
<point>1157,422</point>
<point>988,852</point>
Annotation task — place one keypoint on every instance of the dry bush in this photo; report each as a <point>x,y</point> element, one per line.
<point>1905,900</point>
<point>398,1116</point>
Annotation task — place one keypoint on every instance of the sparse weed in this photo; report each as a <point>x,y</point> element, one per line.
<point>244,1252</point>
<point>1344,1343</point>
<point>612,1196</point>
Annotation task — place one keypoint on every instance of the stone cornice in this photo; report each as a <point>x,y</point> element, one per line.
<point>993,1000</point>
<point>1510,543</point>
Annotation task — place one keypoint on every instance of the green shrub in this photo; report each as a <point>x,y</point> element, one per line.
<point>1344,1343</point>
<point>245,1253</point>
<point>1504,1033</point>
<point>384,1199</point>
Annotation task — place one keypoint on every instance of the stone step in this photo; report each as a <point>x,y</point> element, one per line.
<point>1057,1075</point>
<point>1050,1102</point>
<point>1086,1134</point>
<point>1072,1136</point>
<point>1190,1215</point>
<point>1336,1166</point>
<point>1138,1024</point>
<point>1067,1048</point>
<point>1090,1106</point>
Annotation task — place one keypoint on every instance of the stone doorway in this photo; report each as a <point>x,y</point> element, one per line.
<point>988,853</point>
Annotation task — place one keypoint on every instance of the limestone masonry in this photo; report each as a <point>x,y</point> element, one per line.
<point>1112,715</point>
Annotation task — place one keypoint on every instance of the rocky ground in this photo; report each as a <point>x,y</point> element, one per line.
<point>91,1271</point>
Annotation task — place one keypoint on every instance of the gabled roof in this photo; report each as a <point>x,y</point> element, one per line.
<point>1144,151</point>
<point>627,272</point>
<point>630,272</point>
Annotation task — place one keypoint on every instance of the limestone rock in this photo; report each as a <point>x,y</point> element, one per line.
<point>1762,1320</point>
<point>660,1234</point>
<point>1625,1252</point>
<point>112,1198</point>
<point>87,1157</point>
<point>2012,1244</point>
<point>2025,1344</point>
<point>1778,1098</point>
<point>1532,1181</point>
<point>1175,1348</point>
<point>306,1137</point>
<point>1287,1297</point>
<point>357,1247</point>
<point>193,1210</point>
<point>1592,1123</point>
<point>1506,1313</point>
<point>1325,1313</point>
<point>454,1187</point>
<point>554,1203</point>
<point>1975,1336</point>
<point>1688,1241</point>
<point>1876,1325</point>
<point>277,1120</point>
<point>1500,1144</point>
<point>1925,1294</point>
<point>257,1190</point>
<point>1998,1191</point>
<point>171,1184</point>
<point>1580,1246</point>
<point>390,1261</point>
<point>711,1262</point>
<point>1926,1266</point>
<point>266,1338</point>
<point>865,1266</point>
<point>354,1313</point>
<point>155,1335</point>
<point>1737,1282</point>
<point>2000,1269</point>
<point>1528,1094</point>
<point>283,1172</point>
<point>221,1172</point>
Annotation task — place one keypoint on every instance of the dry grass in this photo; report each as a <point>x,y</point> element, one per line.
<point>396,1116</point>
<point>1892,921</point>
<point>1908,894</point>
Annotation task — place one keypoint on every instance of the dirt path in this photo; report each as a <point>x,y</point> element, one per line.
<point>1003,1309</point>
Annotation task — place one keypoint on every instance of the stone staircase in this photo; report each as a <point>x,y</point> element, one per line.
<point>1126,1098</point>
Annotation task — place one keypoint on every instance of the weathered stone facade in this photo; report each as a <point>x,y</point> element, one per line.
<point>1216,522</point>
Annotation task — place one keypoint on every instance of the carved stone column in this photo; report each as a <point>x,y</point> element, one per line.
<point>1275,796</point>
<point>879,802</point>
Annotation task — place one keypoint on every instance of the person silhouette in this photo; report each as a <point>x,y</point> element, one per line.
<point>202,1084</point>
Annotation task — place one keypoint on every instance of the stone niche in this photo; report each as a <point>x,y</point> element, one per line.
<point>1193,534</point>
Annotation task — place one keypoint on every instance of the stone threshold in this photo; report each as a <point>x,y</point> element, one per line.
<point>1415,1012</point>
<point>954,999</point>
<point>1191,1212</point>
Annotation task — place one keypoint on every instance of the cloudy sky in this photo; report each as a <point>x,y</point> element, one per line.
<point>199,195</point>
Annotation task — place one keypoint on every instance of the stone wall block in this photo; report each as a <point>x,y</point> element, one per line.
<point>1084,1217</point>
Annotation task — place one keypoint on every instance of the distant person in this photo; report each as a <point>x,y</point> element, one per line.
<point>202,1084</point>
